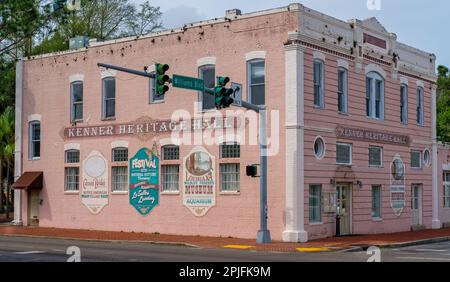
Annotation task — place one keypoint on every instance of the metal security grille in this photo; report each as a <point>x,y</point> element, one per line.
<point>72,178</point>
<point>171,153</point>
<point>375,156</point>
<point>315,196</point>
<point>343,154</point>
<point>72,156</point>
<point>415,159</point>
<point>170,178</point>
<point>230,151</point>
<point>119,178</point>
<point>120,155</point>
<point>229,177</point>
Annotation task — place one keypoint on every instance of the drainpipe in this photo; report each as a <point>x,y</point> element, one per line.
<point>436,223</point>
<point>18,143</point>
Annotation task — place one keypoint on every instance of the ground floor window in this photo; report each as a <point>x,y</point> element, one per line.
<point>229,177</point>
<point>446,184</point>
<point>315,192</point>
<point>119,178</point>
<point>71,175</point>
<point>170,178</point>
<point>376,201</point>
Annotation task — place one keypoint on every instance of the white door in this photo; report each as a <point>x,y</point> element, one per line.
<point>33,207</point>
<point>344,207</point>
<point>416,205</point>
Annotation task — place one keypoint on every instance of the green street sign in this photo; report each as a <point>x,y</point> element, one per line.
<point>187,82</point>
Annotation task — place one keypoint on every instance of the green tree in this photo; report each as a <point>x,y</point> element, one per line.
<point>443,104</point>
<point>6,151</point>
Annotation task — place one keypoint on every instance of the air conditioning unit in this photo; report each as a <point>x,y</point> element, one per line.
<point>78,42</point>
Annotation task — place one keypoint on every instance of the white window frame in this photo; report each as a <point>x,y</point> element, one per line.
<point>351,153</point>
<point>404,97</point>
<point>311,220</point>
<point>238,172</point>
<point>344,90</point>
<point>249,77</point>
<point>380,201</point>
<point>104,98</point>
<point>420,118</point>
<point>381,157</point>
<point>201,93</point>
<point>374,77</point>
<point>426,163</point>
<point>420,159</point>
<point>319,157</point>
<point>73,103</point>
<point>321,84</point>
<point>163,187</point>
<point>446,190</point>
<point>31,150</point>
<point>123,164</point>
<point>71,165</point>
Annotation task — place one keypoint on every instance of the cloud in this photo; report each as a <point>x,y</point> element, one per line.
<point>181,15</point>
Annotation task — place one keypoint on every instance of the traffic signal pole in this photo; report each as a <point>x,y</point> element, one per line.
<point>263,235</point>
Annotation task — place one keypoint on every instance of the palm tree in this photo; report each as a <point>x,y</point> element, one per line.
<point>7,149</point>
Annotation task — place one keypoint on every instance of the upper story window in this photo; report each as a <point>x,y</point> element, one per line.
<point>170,169</point>
<point>34,137</point>
<point>342,90</point>
<point>416,159</point>
<point>208,74</point>
<point>76,99</point>
<point>230,151</point>
<point>404,104</point>
<point>374,96</point>
<point>256,81</point>
<point>72,171</point>
<point>72,156</point>
<point>170,152</point>
<point>109,98</point>
<point>119,170</point>
<point>120,155</point>
<point>420,116</point>
<point>154,97</point>
<point>318,83</point>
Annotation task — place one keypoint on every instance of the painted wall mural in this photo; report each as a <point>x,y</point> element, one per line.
<point>144,180</point>
<point>199,185</point>
<point>94,191</point>
<point>398,184</point>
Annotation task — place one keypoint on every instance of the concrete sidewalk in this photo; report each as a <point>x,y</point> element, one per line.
<point>329,244</point>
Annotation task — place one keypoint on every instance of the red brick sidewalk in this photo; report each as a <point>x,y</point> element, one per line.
<point>213,242</point>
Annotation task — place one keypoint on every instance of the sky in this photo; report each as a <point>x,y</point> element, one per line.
<point>421,24</point>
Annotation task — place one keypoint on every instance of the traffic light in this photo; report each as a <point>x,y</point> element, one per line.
<point>222,94</point>
<point>161,79</point>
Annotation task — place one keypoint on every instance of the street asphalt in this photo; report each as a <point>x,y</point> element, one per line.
<point>32,249</point>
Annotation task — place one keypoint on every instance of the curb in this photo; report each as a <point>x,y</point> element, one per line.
<point>182,244</point>
<point>413,243</point>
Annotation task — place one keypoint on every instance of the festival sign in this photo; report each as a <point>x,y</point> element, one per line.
<point>199,192</point>
<point>398,183</point>
<point>144,180</point>
<point>94,191</point>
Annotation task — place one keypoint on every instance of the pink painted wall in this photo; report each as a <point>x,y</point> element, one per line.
<point>324,121</point>
<point>47,93</point>
<point>443,159</point>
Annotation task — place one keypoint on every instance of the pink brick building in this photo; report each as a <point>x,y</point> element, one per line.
<point>351,122</point>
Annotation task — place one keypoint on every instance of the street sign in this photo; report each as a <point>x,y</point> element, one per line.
<point>237,94</point>
<point>187,82</point>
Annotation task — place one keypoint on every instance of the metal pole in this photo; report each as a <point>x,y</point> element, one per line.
<point>263,235</point>
<point>136,72</point>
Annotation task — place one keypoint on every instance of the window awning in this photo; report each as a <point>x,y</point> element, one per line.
<point>29,180</point>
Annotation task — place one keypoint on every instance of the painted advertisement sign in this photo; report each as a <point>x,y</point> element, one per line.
<point>144,180</point>
<point>398,183</point>
<point>199,191</point>
<point>94,184</point>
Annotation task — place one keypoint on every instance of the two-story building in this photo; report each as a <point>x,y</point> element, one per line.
<point>351,118</point>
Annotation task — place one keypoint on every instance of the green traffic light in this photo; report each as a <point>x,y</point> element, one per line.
<point>223,80</point>
<point>161,78</point>
<point>162,68</point>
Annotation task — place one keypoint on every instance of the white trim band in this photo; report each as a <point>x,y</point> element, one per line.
<point>34,117</point>
<point>255,55</point>
<point>119,144</point>
<point>206,61</point>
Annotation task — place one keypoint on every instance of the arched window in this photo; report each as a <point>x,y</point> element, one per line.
<point>76,101</point>
<point>318,83</point>
<point>404,103</point>
<point>256,81</point>
<point>119,169</point>
<point>109,98</point>
<point>342,90</point>
<point>374,95</point>
<point>170,169</point>
<point>420,116</point>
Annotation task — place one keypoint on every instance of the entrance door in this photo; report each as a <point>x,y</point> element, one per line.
<point>33,207</point>
<point>416,205</point>
<point>344,208</point>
